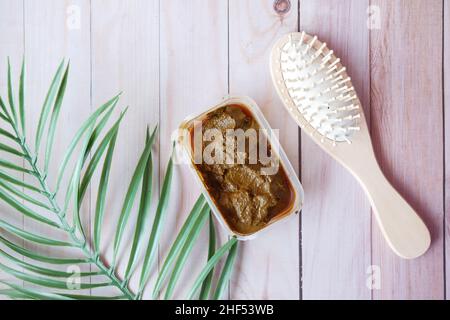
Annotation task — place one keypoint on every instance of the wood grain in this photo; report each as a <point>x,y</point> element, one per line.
<point>406,112</point>
<point>11,44</point>
<point>267,267</point>
<point>175,58</point>
<point>193,78</point>
<point>125,57</point>
<point>46,22</point>
<point>447,140</point>
<point>336,218</point>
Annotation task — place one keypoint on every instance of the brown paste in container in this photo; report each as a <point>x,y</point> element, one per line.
<point>246,198</point>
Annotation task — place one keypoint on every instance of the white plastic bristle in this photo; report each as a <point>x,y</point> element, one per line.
<point>319,88</point>
<point>335,62</point>
<point>295,90</point>
<point>309,46</point>
<point>350,98</point>
<point>328,56</point>
<point>345,89</point>
<point>331,69</point>
<point>342,70</point>
<point>302,37</point>
<point>334,80</point>
<point>320,50</point>
<point>343,81</point>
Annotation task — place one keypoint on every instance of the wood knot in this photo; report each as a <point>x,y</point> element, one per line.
<point>282,6</point>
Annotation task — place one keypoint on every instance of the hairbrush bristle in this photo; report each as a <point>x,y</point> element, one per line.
<point>319,88</point>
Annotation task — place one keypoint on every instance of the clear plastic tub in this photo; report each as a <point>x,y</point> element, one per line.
<point>184,142</point>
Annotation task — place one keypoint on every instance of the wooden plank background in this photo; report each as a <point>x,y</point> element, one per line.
<point>271,260</point>
<point>336,232</point>
<point>175,58</point>
<point>408,144</point>
<point>446,111</point>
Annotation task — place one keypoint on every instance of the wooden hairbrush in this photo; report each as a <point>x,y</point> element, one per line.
<point>318,93</point>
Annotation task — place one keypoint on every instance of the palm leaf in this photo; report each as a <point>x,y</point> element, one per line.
<point>144,208</point>
<point>26,235</point>
<point>49,282</point>
<point>4,117</point>
<point>54,118</point>
<point>187,248</point>
<point>5,185</point>
<point>76,139</point>
<point>25,210</point>
<point>42,270</point>
<point>19,195</point>
<point>11,95</point>
<point>12,166</point>
<point>179,243</point>
<point>10,150</point>
<point>5,114</point>
<point>97,156</point>
<point>157,226</point>
<point>206,286</point>
<point>35,294</point>
<point>210,265</point>
<point>14,294</point>
<point>7,134</point>
<point>75,182</point>
<point>226,272</point>
<point>38,257</point>
<point>85,297</point>
<point>7,177</point>
<point>98,129</point>
<point>22,97</point>
<point>130,196</point>
<point>48,104</point>
<point>101,195</point>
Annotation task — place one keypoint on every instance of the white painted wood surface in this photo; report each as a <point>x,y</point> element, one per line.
<point>409,143</point>
<point>42,25</point>
<point>125,58</point>
<point>11,44</point>
<point>194,52</point>
<point>447,139</point>
<point>174,58</point>
<point>267,267</point>
<point>336,232</point>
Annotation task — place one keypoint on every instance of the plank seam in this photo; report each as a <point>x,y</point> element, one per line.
<point>369,40</point>
<point>160,121</point>
<point>300,235</point>
<point>444,148</point>
<point>228,91</point>
<point>91,106</point>
<point>23,161</point>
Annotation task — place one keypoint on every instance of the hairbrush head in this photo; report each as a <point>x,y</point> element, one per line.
<point>319,95</point>
<point>317,88</point>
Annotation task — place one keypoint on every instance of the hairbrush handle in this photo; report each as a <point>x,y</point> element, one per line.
<point>402,228</point>
<point>318,93</point>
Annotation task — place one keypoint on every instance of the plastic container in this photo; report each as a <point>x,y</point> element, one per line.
<point>184,142</point>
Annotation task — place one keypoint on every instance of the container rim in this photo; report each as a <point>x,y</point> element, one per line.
<point>256,112</point>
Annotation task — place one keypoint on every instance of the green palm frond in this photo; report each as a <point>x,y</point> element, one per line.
<point>35,199</point>
<point>206,287</point>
